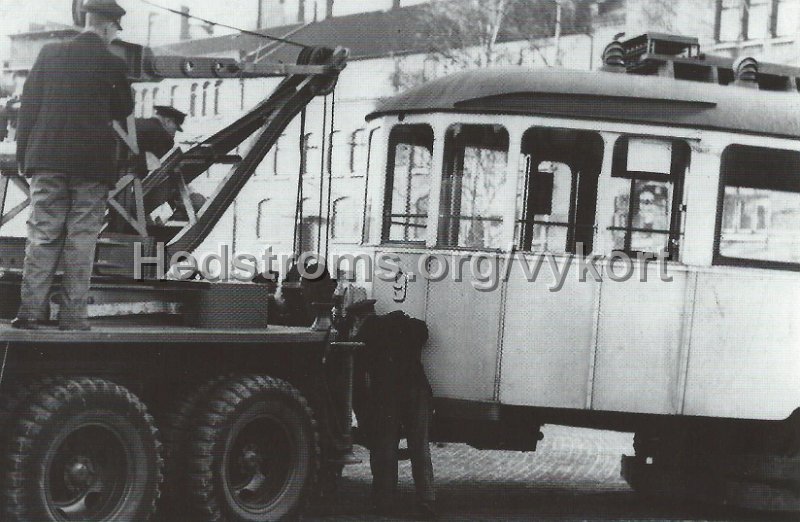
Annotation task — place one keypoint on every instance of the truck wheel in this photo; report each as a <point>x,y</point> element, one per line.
<point>82,449</point>
<point>13,396</point>
<point>176,429</point>
<point>255,453</point>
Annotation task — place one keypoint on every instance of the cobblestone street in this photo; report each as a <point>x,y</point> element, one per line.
<point>574,475</point>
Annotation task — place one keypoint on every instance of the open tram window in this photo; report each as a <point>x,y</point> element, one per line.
<point>408,186</point>
<point>475,174</point>
<point>647,182</point>
<point>759,215</point>
<point>558,192</point>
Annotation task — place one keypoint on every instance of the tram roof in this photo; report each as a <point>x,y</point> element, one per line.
<point>607,96</point>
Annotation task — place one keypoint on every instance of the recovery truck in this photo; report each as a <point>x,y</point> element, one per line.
<point>180,387</point>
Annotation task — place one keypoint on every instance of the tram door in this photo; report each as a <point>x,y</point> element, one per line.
<point>547,336</point>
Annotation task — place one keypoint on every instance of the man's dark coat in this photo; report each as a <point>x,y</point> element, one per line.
<point>73,92</point>
<point>152,137</point>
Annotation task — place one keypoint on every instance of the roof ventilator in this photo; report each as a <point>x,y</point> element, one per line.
<point>745,69</point>
<point>613,57</point>
<point>680,58</point>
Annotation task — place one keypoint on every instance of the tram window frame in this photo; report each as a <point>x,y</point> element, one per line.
<point>451,198</point>
<point>584,171</point>
<point>680,160</point>
<point>729,162</point>
<point>415,131</point>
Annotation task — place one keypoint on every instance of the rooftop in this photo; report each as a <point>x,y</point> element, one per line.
<point>604,96</point>
<point>367,35</point>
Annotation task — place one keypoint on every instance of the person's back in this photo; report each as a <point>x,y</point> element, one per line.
<point>74,95</point>
<point>67,145</point>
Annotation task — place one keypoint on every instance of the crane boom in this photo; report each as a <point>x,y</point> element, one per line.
<point>315,74</point>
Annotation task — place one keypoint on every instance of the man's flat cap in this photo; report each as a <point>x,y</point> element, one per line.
<point>171,112</point>
<point>107,8</point>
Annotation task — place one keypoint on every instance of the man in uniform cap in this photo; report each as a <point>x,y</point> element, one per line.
<point>66,144</point>
<point>156,135</point>
<point>110,10</point>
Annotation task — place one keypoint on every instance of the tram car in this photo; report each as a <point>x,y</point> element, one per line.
<point>676,176</point>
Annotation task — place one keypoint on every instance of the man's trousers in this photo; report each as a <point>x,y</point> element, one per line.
<point>413,414</point>
<point>67,213</point>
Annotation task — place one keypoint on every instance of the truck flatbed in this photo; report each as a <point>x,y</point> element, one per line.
<point>116,332</point>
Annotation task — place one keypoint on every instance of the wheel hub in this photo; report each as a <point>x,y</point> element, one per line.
<point>251,459</point>
<point>80,474</point>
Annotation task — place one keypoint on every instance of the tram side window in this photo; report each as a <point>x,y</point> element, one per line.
<point>471,208</point>
<point>557,195</point>
<point>759,214</point>
<point>647,182</point>
<point>408,183</point>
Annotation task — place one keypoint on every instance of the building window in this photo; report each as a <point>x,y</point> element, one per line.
<point>155,96</point>
<point>345,221</point>
<point>475,174</point>
<point>758,220</point>
<point>334,152</point>
<point>217,87</point>
<point>262,219</point>
<point>276,152</point>
<point>193,101</point>
<point>312,160</point>
<point>409,182</point>
<point>759,15</point>
<point>356,149</point>
<point>729,20</point>
<point>204,106</point>
<point>647,182</point>
<point>787,18</point>
<point>557,194</point>
<point>755,19</point>
<point>173,94</point>
<point>430,68</point>
<point>143,103</point>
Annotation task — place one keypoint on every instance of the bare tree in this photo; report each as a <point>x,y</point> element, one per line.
<point>461,34</point>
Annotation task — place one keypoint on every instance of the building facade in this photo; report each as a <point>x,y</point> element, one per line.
<point>387,56</point>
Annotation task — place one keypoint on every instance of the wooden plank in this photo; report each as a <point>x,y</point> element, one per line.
<point>3,192</point>
<point>186,199</point>
<point>128,137</point>
<point>162,335</point>
<point>122,212</point>
<point>138,222</point>
<point>23,184</point>
<point>14,212</point>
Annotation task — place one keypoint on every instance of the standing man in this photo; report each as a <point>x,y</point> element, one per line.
<point>66,144</point>
<point>156,136</point>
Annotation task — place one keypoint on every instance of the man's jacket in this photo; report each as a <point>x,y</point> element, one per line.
<point>73,92</point>
<point>388,369</point>
<point>152,137</point>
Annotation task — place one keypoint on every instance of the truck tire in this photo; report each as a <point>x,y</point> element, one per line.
<point>763,468</point>
<point>14,396</point>
<point>255,452</point>
<point>82,449</point>
<point>176,429</point>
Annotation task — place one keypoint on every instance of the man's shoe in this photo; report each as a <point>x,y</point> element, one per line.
<point>426,510</point>
<point>27,324</point>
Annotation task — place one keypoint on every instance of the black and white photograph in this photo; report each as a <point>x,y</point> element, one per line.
<point>356,260</point>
